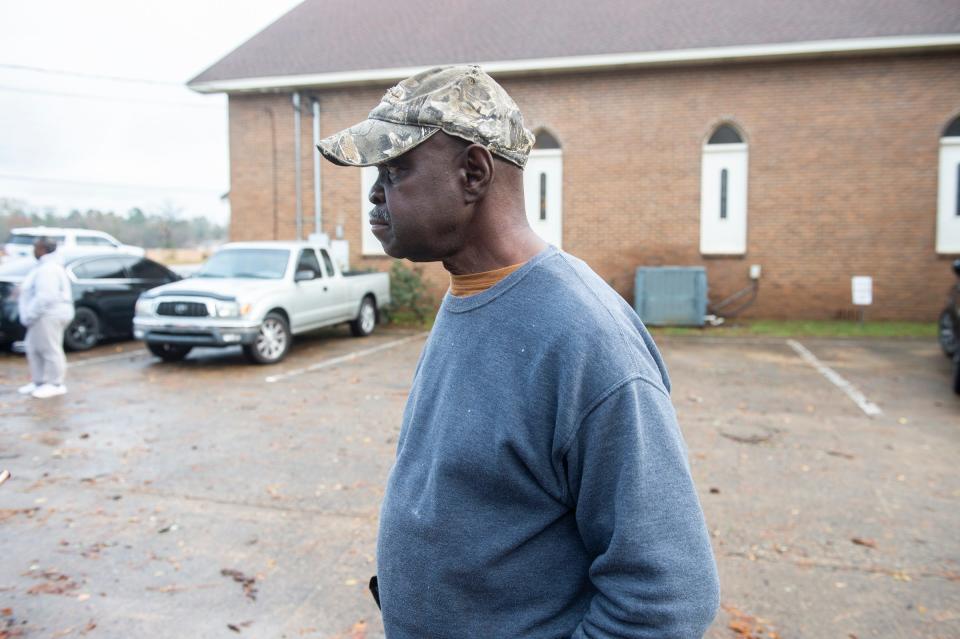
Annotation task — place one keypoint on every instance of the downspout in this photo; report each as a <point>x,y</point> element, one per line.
<point>317,201</point>
<point>296,163</point>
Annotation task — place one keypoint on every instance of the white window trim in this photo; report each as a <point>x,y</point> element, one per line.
<point>546,153</point>
<point>706,248</point>
<point>599,62</point>
<point>369,244</point>
<point>717,148</point>
<point>557,240</point>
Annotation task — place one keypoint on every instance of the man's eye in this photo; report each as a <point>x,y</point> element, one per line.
<point>391,174</point>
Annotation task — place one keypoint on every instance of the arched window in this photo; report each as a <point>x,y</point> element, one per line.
<point>948,193</point>
<point>953,129</point>
<point>725,134</point>
<point>542,187</point>
<point>723,193</point>
<point>545,140</point>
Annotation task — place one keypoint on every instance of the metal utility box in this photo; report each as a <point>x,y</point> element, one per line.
<point>671,295</point>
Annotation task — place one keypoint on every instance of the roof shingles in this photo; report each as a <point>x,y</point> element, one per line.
<point>328,36</point>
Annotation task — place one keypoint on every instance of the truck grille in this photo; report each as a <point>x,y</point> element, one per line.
<point>182,309</point>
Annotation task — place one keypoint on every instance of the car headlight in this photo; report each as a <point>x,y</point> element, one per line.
<point>232,309</point>
<point>228,309</point>
<point>144,307</point>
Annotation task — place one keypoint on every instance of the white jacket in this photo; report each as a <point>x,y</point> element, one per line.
<point>45,292</point>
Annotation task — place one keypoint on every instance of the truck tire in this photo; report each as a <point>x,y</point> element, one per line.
<point>366,318</point>
<point>169,352</point>
<point>272,342</point>
<point>956,373</point>
<point>83,332</point>
<point>947,334</point>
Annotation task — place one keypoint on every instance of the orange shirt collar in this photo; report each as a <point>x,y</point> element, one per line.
<point>467,285</point>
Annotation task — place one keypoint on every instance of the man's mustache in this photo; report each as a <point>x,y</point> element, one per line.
<point>379,215</point>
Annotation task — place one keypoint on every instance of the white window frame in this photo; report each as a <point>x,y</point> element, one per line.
<point>724,236</point>
<point>369,244</point>
<point>948,220</point>
<point>550,231</point>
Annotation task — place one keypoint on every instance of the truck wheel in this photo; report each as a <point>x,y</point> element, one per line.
<point>366,319</point>
<point>169,352</point>
<point>272,342</point>
<point>947,334</point>
<point>83,331</point>
<point>956,373</point>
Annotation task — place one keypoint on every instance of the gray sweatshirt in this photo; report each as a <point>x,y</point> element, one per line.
<point>45,292</point>
<point>541,487</point>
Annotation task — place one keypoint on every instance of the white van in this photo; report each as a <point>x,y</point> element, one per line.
<point>20,242</point>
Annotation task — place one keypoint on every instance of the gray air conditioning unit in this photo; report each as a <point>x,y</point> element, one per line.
<point>671,295</point>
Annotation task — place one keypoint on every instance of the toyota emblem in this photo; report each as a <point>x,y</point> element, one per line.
<point>180,309</point>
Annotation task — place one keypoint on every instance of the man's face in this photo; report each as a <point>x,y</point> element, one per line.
<point>419,211</point>
<point>38,250</point>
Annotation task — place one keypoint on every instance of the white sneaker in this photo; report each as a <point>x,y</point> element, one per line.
<point>26,390</point>
<point>49,390</point>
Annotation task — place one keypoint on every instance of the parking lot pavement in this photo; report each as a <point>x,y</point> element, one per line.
<point>211,498</point>
<point>826,522</point>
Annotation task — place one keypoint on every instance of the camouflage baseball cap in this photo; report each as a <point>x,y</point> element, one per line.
<point>462,101</point>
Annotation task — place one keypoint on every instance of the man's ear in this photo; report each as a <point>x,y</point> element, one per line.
<point>478,169</point>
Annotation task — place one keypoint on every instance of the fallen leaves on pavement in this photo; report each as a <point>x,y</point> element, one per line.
<point>9,513</point>
<point>862,541</point>
<point>248,583</point>
<point>748,626</point>
<point>7,629</point>
<point>357,631</point>
<point>840,453</point>
<point>54,583</point>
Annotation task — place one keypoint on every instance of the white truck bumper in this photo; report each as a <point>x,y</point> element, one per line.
<point>195,332</point>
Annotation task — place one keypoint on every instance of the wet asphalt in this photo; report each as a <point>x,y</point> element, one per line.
<point>213,498</point>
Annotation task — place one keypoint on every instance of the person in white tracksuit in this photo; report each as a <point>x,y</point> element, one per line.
<point>46,308</point>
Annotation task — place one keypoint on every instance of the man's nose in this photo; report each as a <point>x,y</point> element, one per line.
<point>376,194</point>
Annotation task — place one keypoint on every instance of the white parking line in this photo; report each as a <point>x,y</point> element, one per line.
<point>858,398</point>
<point>327,363</point>
<point>106,358</point>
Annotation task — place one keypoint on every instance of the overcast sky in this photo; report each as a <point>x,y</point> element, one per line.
<point>76,141</point>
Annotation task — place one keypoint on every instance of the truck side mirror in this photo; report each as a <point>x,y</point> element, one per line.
<point>956,267</point>
<point>304,275</point>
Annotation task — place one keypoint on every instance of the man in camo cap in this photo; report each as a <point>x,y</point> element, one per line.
<point>541,487</point>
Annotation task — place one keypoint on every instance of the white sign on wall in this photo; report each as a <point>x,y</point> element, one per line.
<point>862,286</point>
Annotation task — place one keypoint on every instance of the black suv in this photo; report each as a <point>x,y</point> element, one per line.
<point>105,290</point>
<point>950,328</point>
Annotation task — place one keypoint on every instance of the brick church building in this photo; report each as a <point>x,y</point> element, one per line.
<point>818,140</point>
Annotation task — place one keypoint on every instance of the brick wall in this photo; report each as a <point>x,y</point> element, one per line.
<point>843,159</point>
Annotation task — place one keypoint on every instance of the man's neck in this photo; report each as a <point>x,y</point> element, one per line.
<point>513,247</point>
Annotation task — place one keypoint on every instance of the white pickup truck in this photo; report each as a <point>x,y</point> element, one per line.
<point>258,295</point>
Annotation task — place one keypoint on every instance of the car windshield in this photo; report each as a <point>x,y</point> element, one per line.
<point>260,264</point>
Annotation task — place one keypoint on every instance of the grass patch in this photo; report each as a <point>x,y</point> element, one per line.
<point>807,328</point>
<point>409,319</point>
<point>751,328</point>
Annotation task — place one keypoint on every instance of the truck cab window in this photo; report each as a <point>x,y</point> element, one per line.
<point>308,262</point>
<point>327,262</point>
